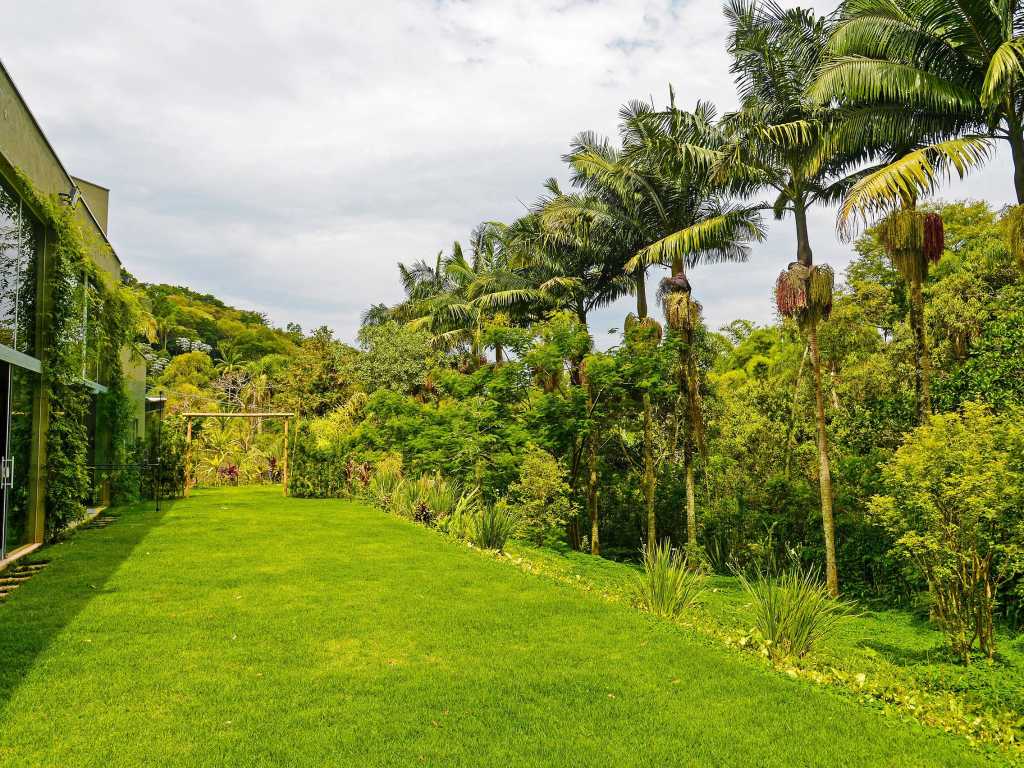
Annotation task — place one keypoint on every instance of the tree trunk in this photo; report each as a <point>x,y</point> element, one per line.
<point>691,505</point>
<point>922,357</point>
<point>595,542</point>
<point>803,239</point>
<point>824,472</point>
<point>649,478</point>
<point>639,278</point>
<point>1016,137</point>
<point>499,355</point>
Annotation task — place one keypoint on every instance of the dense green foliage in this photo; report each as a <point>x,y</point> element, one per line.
<point>79,289</point>
<point>956,506</point>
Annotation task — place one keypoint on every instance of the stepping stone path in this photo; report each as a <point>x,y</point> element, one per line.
<point>100,521</point>
<point>14,577</point>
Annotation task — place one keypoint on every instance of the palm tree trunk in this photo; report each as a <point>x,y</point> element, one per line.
<point>691,505</point>
<point>641,293</point>
<point>649,477</point>
<point>803,239</point>
<point>824,471</point>
<point>1015,133</point>
<point>595,541</point>
<point>922,357</point>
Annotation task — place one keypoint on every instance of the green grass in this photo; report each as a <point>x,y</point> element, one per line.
<point>895,646</point>
<point>240,628</point>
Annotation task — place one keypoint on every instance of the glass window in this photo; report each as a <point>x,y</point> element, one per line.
<point>19,246</point>
<point>91,304</point>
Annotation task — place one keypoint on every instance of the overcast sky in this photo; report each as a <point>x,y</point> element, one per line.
<point>284,156</point>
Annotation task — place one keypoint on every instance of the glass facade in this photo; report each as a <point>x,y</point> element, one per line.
<point>16,388</point>
<point>19,249</point>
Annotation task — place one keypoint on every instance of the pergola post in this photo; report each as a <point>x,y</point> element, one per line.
<point>284,459</point>
<point>188,458</point>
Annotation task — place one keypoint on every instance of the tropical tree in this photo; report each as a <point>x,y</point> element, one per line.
<point>782,141</point>
<point>952,72</point>
<point>656,201</point>
<point>682,149</point>
<point>915,240</point>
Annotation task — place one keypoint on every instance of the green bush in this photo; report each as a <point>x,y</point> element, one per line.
<point>955,507</point>
<point>493,525</point>
<point>440,496</point>
<point>793,611</point>
<point>459,521</point>
<point>387,476</point>
<point>541,499</point>
<point>666,586</point>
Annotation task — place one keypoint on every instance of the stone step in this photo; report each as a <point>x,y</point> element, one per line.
<point>13,579</point>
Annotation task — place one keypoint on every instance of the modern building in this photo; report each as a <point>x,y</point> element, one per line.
<point>26,249</point>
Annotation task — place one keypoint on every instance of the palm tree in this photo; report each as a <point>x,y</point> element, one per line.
<point>949,71</point>
<point>651,200</point>
<point>783,142</point>
<point>571,260</point>
<point>376,314</point>
<point>915,240</point>
<point>681,147</point>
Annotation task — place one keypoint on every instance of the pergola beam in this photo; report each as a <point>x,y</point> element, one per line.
<point>238,415</point>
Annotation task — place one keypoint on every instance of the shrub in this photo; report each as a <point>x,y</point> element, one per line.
<point>667,587</point>
<point>426,500</point>
<point>458,523</point>
<point>493,525</point>
<point>793,610</point>
<point>541,499</point>
<point>955,507</point>
<point>386,478</point>
<point>440,496</point>
<point>401,501</point>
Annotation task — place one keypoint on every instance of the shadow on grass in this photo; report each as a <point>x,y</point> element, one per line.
<point>79,568</point>
<point>902,656</point>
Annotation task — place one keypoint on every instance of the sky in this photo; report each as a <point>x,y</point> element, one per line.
<point>285,156</point>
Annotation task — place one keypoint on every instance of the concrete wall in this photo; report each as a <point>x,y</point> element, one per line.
<point>98,200</point>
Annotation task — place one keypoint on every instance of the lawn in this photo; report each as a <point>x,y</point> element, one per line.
<point>241,628</point>
<point>901,651</point>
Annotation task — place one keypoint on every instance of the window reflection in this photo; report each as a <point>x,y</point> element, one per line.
<point>19,244</point>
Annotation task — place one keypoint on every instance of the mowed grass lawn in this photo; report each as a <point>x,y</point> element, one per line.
<point>239,628</point>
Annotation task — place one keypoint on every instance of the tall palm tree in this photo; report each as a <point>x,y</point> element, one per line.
<point>782,141</point>
<point>915,240</point>
<point>950,71</point>
<point>646,199</point>
<point>681,148</point>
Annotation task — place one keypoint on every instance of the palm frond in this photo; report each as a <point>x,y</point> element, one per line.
<point>902,182</point>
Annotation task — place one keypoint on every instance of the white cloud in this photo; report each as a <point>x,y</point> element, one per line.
<point>285,156</point>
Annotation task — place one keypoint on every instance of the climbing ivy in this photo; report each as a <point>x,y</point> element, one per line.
<point>70,272</point>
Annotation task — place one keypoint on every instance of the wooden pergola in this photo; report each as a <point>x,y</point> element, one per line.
<point>192,415</point>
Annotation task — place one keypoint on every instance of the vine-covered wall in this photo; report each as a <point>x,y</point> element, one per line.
<point>69,270</point>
